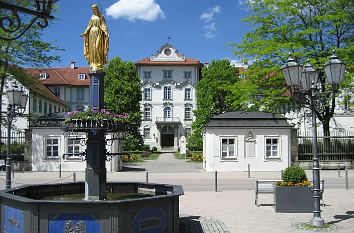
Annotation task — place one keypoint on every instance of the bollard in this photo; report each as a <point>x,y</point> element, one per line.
<point>249,171</point>
<point>338,170</point>
<point>147,177</point>
<point>59,170</point>
<point>216,181</point>
<point>74,177</point>
<point>346,179</point>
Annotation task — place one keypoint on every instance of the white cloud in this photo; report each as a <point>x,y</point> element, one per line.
<point>136,9</point>
<point>209,15</point>
<point>210,30</point>
<point>209,26</point>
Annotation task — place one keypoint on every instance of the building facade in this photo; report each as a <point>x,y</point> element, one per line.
<point>69,84</point>
<point>238,141</point>
<point>169,96</point>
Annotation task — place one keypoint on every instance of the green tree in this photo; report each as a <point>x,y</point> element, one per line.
<point>29,50</point>
<point>212,91</point>
<point>309,29</point>
<point>122,95</point>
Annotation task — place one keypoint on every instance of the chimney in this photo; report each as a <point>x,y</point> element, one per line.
<point>206,64</point>
<point>72,64</point>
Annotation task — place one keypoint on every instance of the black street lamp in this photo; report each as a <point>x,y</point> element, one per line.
<point>17,104</point>
<point>295,75</point>
<point>10,21</point>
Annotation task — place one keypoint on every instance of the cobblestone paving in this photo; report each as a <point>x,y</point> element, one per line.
<point>196,224</point>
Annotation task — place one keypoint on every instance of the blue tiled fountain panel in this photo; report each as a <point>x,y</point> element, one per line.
<point>150,221</point>
<point>70,223</point>
<point>13,220</point>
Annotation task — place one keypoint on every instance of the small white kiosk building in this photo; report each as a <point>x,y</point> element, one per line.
<point>235,140</point>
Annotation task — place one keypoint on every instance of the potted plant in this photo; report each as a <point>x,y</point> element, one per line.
<point>294,193</point>
<point>92,119</point>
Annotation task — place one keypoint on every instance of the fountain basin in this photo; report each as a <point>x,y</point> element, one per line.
<point>22,210</point>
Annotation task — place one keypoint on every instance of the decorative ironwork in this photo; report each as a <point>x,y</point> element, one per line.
<point>109,155</point>
<point>79,125</point>
<point>11,22</point>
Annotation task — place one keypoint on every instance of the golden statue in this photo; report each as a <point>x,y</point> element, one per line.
<point>96,41</point>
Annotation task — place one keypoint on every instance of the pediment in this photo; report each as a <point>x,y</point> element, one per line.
<point>167,53</point>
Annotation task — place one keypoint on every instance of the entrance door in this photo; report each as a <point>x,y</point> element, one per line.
<point>167,140</point>
<point>167,136</point>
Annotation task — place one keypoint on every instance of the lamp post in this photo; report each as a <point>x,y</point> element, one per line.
<point>295,75</point>
<point>11,21</point>
<point>17,104</point>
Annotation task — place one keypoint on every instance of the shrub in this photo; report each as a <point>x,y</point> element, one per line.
<point>294,175</point>
<point>195,140</point>
<point>154,149</point>
<point>132,143</point>
<point>146,154</point>
<point>198,157</point>
<point>188,153</point>
<point>145,147</point>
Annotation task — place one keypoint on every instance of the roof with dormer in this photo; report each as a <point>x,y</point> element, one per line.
<point>168,55</point>
<point>61,75</point>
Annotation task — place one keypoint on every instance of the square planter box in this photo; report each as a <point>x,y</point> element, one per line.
<point>293,199</point>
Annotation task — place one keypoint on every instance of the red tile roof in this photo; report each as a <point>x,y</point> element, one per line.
<point>188,61</point>
<point>44,91</point>
<point>61,76</point>
<point>57,76</point>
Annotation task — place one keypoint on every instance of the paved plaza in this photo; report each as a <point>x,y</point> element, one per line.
<point>231,208</point>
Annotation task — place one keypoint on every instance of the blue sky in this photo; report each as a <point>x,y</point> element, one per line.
<point>199,29</point>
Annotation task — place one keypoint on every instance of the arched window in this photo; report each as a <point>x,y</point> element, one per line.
<point>167,113</point>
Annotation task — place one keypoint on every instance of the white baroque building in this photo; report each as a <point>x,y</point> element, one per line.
<point>169,96</point>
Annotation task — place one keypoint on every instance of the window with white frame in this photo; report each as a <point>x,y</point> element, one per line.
<point>228,147</point>
<point>43,76</point>
<point>50,108</point>
<point>82,76</point>
<point>34,104</point>
<point>80,93</point>
<point>73,148</point>
<point>147,93</point>
<point>167,93</point>
<point>147,113</point>
<point>52,148</point>
<point>272,147</point>
<point>56,92</point>
<point>187,74</point>
<point>167,73</point>
<point>40,106</point>
<point>187,113</point>
<point>45,107</point>
<point>187,94</point>
<point>167,113</point>
<point>147,74</point>
<point>146,132</point>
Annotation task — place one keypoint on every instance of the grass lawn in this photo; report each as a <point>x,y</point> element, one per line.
<point>153,156</point>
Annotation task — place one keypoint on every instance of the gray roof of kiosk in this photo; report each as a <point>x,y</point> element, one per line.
<point>248,119</point>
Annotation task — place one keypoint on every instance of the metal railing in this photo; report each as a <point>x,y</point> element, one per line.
<point>167,120</point>
<point>17,141</point>
<point>338,146</point>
